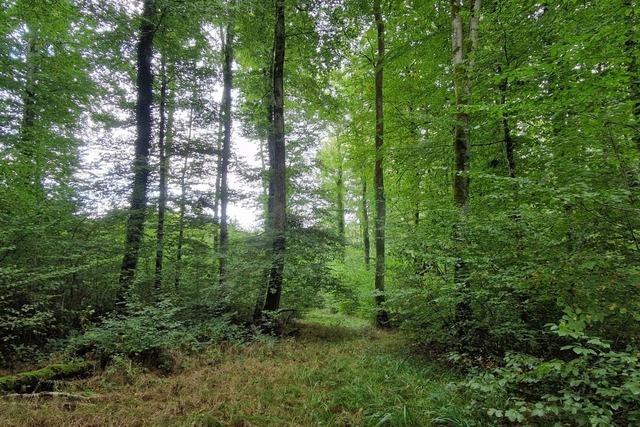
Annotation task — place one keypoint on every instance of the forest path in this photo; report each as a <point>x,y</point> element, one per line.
<point>338,372</point>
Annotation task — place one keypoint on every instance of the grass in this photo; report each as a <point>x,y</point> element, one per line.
<point>337,372</point>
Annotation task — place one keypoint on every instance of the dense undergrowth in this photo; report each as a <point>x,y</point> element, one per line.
<point>336,371</point>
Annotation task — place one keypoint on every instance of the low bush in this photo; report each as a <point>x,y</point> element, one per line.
<point>148,332</point>
<point>591,384</point>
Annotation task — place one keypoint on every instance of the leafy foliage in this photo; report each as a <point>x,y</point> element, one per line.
<point>147,332</point>
<point>591,384</point>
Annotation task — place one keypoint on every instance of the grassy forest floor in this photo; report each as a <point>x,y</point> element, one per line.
<point>338,371</point>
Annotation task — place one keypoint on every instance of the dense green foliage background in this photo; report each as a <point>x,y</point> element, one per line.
<point>550,237</point>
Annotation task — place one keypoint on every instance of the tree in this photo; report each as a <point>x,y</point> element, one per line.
<point>165,139</point>
<point>463,51</point>
<point>138,200</point>
<point>340,193</point>
<point>382,318</point>
<point>225,108</point>
<point>274,290</point>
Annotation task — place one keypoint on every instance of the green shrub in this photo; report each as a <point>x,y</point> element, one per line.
<point>591,385</point>
<point>147,332</point>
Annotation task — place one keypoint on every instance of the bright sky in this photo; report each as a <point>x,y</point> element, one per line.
<point>245,214</point>
<point>98,162</point>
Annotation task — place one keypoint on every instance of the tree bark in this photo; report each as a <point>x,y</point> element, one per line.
<point>340,198</point>
<point>216,196</point>
<point>268,225</point>
<point>463,49</point>
<point>272,301</point>
<point>138,201</point>
<point>382,317</point>
<point>31,153</point>
<point>226,147</point>
<point>461,130</point>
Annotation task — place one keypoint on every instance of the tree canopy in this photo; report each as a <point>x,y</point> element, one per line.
<point>466,172</point>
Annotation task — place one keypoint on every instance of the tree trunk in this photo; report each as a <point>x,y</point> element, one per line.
<point>340,198</point>
<point>226,147</point>
<point>164,143</point>
<point>216,195</point>
<point>365,225</point>
<point>262,291</point>
<point>30,152</point>
<point>382,318</point>
<point>463,49</point>
<point>138,201</point>
<point>272,301</point>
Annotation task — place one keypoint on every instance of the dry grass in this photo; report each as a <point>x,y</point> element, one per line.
<point>329,375</point>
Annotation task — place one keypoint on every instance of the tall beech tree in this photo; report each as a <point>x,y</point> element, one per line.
<point>227,77</point>
<point>464,44</point>
<point>30,152</point>
<point>278,171</point>
<point>340,192</point>
<point>138,200</point>
<point>382,318</point>
<point>267,102</point>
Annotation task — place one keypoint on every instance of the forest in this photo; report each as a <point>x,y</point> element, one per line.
<point>319,213</point>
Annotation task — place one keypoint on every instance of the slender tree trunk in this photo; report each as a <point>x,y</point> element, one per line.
<point>461,130</point>
<point>340,198</point>
<point>226,147</point>
<point>271,160</point>
<point>162,198</point>
<point>382,318</point>
<point>462,60</point>
<point>272,301</point>
<point>216,196</point>
<point>137,210</point>
<point>365,225</point>
<point>262,291</point>
<point>413,129</point>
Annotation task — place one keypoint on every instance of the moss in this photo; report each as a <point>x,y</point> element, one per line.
<point>43,378</point>
<point>7,383</point>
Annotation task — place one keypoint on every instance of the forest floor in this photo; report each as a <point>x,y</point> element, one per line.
<point>337,372</point>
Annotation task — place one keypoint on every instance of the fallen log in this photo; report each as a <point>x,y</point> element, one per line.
<point>44,379</point>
